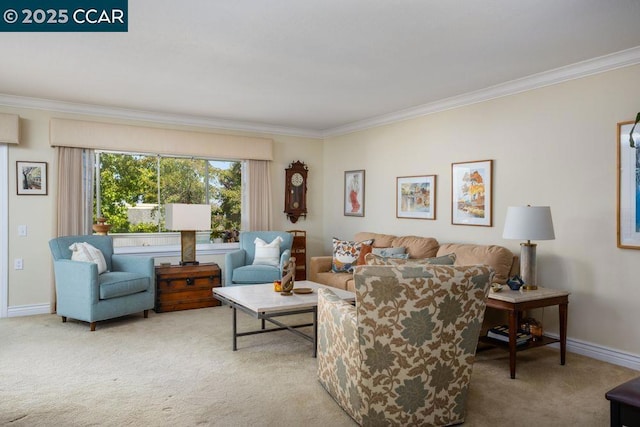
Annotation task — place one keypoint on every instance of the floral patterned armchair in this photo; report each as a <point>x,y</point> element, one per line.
<point>404,354</point>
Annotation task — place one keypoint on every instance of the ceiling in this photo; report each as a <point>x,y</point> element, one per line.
<point>314,67</point>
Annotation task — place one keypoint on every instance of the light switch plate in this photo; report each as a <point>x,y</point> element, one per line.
<point>22,230</point>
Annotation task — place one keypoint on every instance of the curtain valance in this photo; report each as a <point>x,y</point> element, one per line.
<point>9,128</point>
<point>118,137</point>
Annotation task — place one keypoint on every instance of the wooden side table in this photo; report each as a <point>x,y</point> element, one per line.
<point>515,302</point>
<point>183,287</point>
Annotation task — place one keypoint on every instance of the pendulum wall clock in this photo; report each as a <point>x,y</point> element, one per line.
<point>295,191</point>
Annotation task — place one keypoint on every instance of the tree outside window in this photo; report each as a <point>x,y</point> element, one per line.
<point>130,186</point>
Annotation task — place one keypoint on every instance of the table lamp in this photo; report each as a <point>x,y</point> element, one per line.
<point>528,223</point>
<point>187,218</point>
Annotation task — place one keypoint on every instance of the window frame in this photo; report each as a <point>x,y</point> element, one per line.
<point>208,248</point>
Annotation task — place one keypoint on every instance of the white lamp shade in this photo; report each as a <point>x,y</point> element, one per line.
<point>180,216</point>
<point>528,223</point>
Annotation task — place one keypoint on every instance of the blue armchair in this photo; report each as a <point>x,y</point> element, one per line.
<point>128,285</point>
<point>239,268</point>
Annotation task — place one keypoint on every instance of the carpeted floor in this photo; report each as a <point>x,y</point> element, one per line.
<point>178,369</point>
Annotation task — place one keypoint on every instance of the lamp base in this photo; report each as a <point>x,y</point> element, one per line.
<point>188,247</point>
<point>528,266</point>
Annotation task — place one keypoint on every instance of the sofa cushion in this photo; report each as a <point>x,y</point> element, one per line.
<point>345,254</point>
<point>115,284</point>
<point>372,259</point>
<point>379,240</point>
<point>335,280</point>
<point>418,247</point>
<point>83,251</point>
<point>249,274</point>
<point>498,257</point>
<point>364,251</point>
<point>398,252</point>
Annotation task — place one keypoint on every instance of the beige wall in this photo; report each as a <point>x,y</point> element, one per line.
<point>553,146</point>
<point>32,285</point>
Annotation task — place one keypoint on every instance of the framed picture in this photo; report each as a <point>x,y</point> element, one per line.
<point>471,193</point>
<point>628,188</point>
<point>31,178</point>
<point>354,193</point>
<point>416,197</point>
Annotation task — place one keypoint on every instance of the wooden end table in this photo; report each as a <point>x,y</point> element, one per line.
<point>515,302</point>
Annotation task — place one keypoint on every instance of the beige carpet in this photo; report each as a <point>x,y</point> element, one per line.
<point>178,369</point>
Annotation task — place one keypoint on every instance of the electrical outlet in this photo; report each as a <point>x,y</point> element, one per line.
<point>17,263</point>
<point>22,230</point>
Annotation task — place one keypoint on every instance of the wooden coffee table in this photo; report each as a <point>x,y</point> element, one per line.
<point>262,302</point>
<point>515,302</point>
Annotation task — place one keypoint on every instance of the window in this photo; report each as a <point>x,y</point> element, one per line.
<point>132,189</point>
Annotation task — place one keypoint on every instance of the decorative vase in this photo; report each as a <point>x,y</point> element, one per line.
<point>101,228</point>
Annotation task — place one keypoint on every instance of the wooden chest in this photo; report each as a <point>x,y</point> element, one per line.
<point>185,287</point>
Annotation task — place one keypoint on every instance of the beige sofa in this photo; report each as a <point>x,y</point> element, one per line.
<point>503,261</point>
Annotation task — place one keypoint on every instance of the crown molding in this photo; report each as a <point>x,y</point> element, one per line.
<point>150,116</point>
<point>578,70</point>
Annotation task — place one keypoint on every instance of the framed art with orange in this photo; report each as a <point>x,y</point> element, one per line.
<point>471,193</point>
<point>354,193</point>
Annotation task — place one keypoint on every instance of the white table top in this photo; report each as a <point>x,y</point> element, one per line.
<point>262,298</point>
<point>506,294</point>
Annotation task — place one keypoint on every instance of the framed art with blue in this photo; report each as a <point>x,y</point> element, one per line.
<point>416,197</point>
<point>628,186</point>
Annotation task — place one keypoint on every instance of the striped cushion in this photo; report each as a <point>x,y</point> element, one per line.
<point>88,253</point>
<point>267,253</point>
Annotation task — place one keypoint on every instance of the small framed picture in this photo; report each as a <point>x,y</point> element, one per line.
<point>416,197</point>
<point>31,178</point>
<point>471,193</point>
<point>354,193</point>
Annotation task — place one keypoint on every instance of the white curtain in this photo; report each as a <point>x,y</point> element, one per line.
<point>258,196</point>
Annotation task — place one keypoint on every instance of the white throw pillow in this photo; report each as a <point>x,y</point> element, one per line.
<point>267,253</point>
<point>85,252</point>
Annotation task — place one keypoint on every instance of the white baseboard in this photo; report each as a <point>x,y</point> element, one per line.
<point>29,310</point>
<point>605,354</point>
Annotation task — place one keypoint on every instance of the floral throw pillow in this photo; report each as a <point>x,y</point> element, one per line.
<point>346,254</point>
